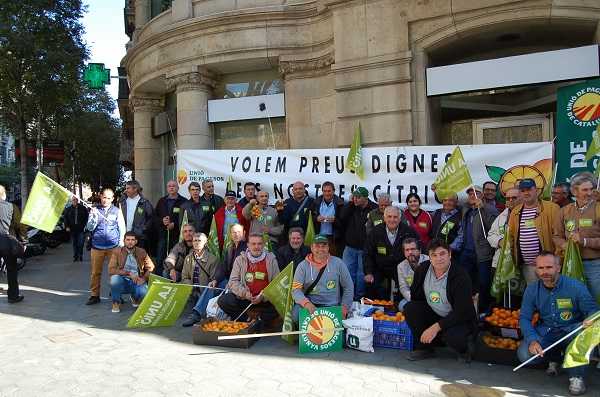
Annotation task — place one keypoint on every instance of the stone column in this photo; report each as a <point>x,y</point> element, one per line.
<point>193,91</point>
<point>146,149</point>
<point>142,14</point>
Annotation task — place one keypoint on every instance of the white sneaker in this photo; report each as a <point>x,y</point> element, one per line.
<point>576,386</point>
<point>134,303</point>
<point>116,308</point>
<point>553,368</point>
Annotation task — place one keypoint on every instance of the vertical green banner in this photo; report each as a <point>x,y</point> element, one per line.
<point>161,306</point>
<point>321,335</point>
<point>45,204</point>
<point>577,115</point>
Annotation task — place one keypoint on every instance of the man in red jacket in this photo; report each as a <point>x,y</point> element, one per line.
<point>228,215</point>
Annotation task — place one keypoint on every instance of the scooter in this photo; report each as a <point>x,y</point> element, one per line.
<point>36,243</point>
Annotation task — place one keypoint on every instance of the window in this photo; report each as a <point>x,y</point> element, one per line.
<point>251,134</point>
<point>266,82</point>
<point>158,6</point>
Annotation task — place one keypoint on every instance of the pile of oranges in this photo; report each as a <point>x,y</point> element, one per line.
<point>228,327</point>
<point>508,318</point>
<point>256,212</point>
<point>379,315</point>
<point>378,302</point>
<point>501,343</point>
<point>504,318</point>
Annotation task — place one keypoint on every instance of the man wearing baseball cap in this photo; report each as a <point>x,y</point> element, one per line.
<point>531,227</point>
<point>228,215</point>
<point>353,218</point>
<point>321,280</point>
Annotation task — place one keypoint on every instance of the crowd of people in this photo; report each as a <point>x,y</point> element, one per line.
<point>437,267</point>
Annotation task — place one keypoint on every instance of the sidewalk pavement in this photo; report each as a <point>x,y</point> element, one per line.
<point>54,345</point>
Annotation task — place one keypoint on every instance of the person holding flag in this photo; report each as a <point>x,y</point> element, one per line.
<point>580,222</point>
<point>321,280</point>
<point>562,303</point>
<point>173,263</point>
<point>210,203</point>
<point>263,219</point>
<point>228,215</point>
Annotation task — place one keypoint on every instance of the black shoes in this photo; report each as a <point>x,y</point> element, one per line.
<point>93,300</point>
<point>19,298</point>
<point>192,319</point>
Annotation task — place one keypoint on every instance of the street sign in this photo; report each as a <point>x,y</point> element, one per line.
<point>96,76</point>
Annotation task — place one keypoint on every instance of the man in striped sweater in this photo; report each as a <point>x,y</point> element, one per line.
<point>321,280</point>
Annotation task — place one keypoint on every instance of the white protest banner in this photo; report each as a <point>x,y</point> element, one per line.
<point>394,170</point>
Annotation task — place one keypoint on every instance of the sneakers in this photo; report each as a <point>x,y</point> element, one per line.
<point>576,386</point>
<point>553,368</point>
<point>134,303</point>
<point>93,300</point>
<point>418,355</point>
<point>16,299</point>
<point>192,319</point>
<point>116,308</point>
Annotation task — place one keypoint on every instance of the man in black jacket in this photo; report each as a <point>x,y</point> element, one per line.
<point>76,217</point>
<point>13,235</point>
<point>383,253</point>
<point>210,203</point>
<point>167,223</point>
<point>325,212</point>
<point>294,251</point>
<point>441,305</point>
<point>353,218</point>
<point>137,212</point>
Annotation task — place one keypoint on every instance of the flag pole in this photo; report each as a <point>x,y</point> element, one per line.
<point>508,287</point>
<point>248,336</point>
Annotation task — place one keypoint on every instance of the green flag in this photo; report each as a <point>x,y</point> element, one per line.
<point>228,241</point>
<point>183,223</point>
<point>354,161</point>
<point>547,192</point>
<point>45,204</point>
<point>161,306</point>
<point>153,277</point>
<point>454,177</point>
<point>213,240</point>
<point>267,242</point>
<point>594,148</point>
<point>572,264</point>
<point>230,183</point>
<point>310,231</point>
<point>279,293</point>
<point>579,350</point>
<point>505,269</point>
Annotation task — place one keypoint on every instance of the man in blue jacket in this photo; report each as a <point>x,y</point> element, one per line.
<point>563,303</point>
<point>108,228</point>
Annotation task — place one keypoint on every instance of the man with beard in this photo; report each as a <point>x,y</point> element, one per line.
<point>406,268</point>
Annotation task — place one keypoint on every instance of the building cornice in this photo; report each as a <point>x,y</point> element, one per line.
<point>146,104</point>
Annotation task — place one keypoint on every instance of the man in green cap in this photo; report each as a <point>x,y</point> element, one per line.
<point>353,218</point>
<point>321,280</point>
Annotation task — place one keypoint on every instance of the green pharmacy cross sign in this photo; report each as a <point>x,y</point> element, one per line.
<point>96,76</point>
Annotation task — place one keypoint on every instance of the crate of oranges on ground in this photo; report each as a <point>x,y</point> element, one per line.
<point>505,322</point>
<point>496,349</point>
<point>391,331</point>
<point>207,332</point>
<point>386,305</point>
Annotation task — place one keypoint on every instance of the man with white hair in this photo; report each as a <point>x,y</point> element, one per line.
<point>12,238</point>
<point>375,217</point>
<point>383,252</point>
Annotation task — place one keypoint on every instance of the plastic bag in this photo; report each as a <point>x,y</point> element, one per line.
<point>359,333</point>
<point>213,309</point>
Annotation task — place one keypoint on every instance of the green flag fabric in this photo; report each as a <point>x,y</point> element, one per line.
<point>267,242</point>
<point>45,204</point>
<point>505,270</point>
<point>454,177</point>
<point>183,223</point>
<point>279,293</point>
<point>228,241</point>
<point>594,148</point>
<point>230,183</point>
<point>161,306</point>
<point>547,192</point>
<point>153,277</point>
<point>579,350</point>
<point>572,264</point>
<point>213,240</point>
<point>354,161</point>
<point>310,231</point>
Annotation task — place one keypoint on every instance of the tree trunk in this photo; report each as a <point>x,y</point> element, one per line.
<point>23,164</point>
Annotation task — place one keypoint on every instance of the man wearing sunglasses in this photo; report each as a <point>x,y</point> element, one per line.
<point>496,234</point>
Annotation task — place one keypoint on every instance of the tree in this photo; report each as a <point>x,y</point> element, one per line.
<point>41,58</point>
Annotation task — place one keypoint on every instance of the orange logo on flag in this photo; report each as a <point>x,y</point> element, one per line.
<point>181,177</point>
<point>587,107</point>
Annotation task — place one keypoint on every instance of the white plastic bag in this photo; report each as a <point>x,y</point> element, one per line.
<point>213,309</point>
<point>359,333</point>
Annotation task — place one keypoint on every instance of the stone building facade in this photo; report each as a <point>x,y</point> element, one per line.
<point>338,63</point>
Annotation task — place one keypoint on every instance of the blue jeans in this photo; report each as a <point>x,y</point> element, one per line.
<point>353,258</point>
<point>77,239</point>
<point>554,354</point>
<point>124,285</point>
<point>401,305</point>
<point>205,296</point>
<point>591,271</point>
